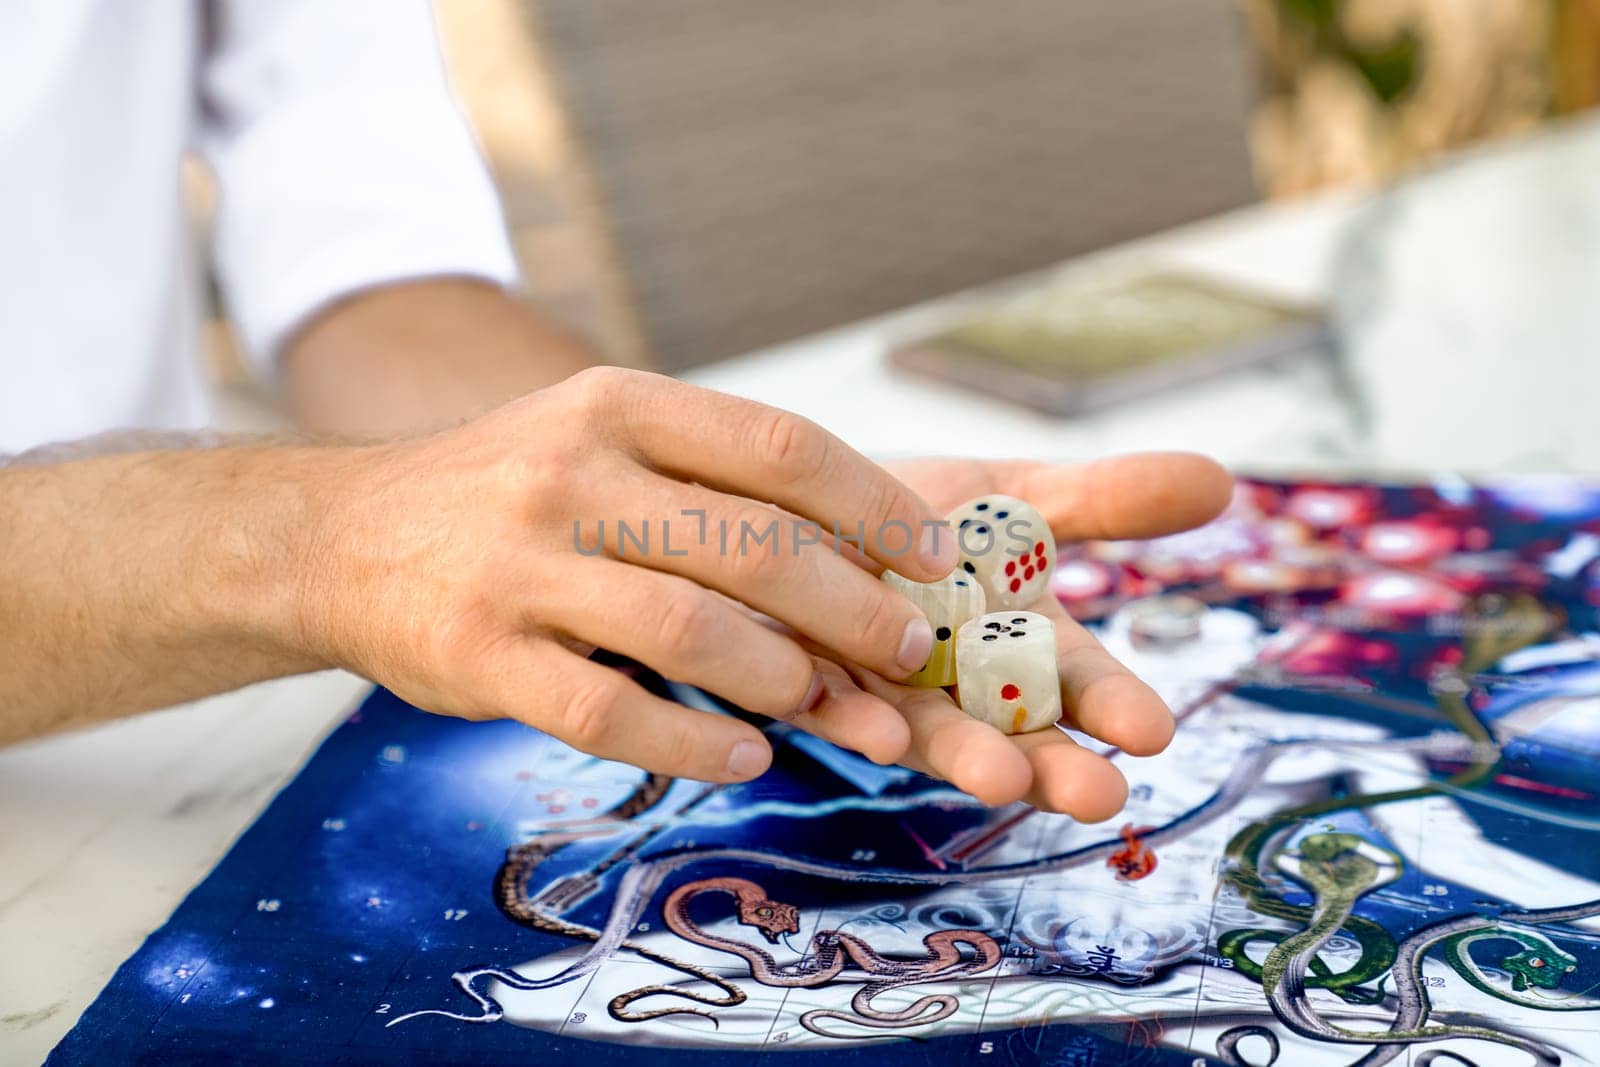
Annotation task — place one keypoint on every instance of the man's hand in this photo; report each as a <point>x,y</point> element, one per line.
<point>467,571</point>
<point>471,570</point>
<point>1126,497</point>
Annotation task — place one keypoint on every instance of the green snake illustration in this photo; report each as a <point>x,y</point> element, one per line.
<point>1340,868</point>
<point>1497,626</point>
<point>1457,934</point>
<point>1540,964</point>
<point>1350,872</point>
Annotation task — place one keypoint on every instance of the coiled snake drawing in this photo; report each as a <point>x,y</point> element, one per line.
<point>522,861</point>
<point>831,951</point>
<point>1340,868</point>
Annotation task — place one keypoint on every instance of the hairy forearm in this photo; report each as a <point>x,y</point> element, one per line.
<point>422,355</point>
<point>136,581</point>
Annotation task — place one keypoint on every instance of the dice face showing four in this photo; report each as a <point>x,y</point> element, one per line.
<point>1007,546</point>
<point>948,603</point>
<point>1006,663</point>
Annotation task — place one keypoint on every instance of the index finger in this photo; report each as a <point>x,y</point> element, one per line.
<point>1102,697</point>
<point>1146,494</point>
<point>778,457</point>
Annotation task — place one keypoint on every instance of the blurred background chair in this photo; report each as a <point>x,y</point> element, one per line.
<point>748,171</point>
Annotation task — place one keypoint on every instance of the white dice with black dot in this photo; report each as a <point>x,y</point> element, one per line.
<point>1007,546</point>
<point>1006,670</point>
<point>953,600</point>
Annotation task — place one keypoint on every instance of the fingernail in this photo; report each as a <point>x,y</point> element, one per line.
<point>938,547</point>
<point>813,695</point>
<point>916,646</point>
<point>748,759</point>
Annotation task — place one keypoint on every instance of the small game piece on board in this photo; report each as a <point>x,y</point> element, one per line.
<point>1135,859</point>
<point>1007,545</point>
<point>948,603</point>
<point>1158,621</point>
<point>1006,669</point>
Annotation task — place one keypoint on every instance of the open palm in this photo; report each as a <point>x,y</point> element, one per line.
<point>1126,497</point>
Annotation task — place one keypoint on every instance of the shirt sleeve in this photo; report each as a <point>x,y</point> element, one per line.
<point>342,160</point>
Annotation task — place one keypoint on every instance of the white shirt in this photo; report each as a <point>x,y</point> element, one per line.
<point>342,161</point>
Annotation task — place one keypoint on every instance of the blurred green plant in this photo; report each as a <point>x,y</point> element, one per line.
<point>1390,67</point>
<point>1358,91</point>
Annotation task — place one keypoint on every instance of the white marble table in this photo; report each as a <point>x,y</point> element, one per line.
<point>1469,309</point>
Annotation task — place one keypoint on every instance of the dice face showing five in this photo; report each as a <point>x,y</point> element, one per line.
<point>1007,546</point>
<point>948,603</point>
<point>1006,663</point>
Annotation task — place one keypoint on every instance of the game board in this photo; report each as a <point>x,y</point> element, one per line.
<point>1374,840</point>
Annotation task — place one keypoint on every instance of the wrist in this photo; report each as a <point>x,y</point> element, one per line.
<point>262,572</point>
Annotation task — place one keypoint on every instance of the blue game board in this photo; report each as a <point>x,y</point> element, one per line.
<point>1375,839</point>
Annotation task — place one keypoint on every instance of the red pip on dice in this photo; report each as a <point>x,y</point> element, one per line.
<point>1000,655</point>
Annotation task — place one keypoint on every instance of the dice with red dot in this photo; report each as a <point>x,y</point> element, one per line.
<point>1006,669</point>
<point>1007,546</point>
<point>948,603</point>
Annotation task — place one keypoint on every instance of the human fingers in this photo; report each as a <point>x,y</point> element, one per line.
<point>1141,495</point>
<point>684,632</point>
<point>759,556</point>
<point>602,712</point>
<point>1133,496</point>
<point>1045,768</point>
<point>852,718</point>
<point>1069,779</point>
<point>948,743</point>
<point>1102,697</point>
<point>767,454</point>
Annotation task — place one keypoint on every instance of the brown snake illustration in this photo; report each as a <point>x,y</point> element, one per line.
<point>831,951</point>
<point>511,894</point>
